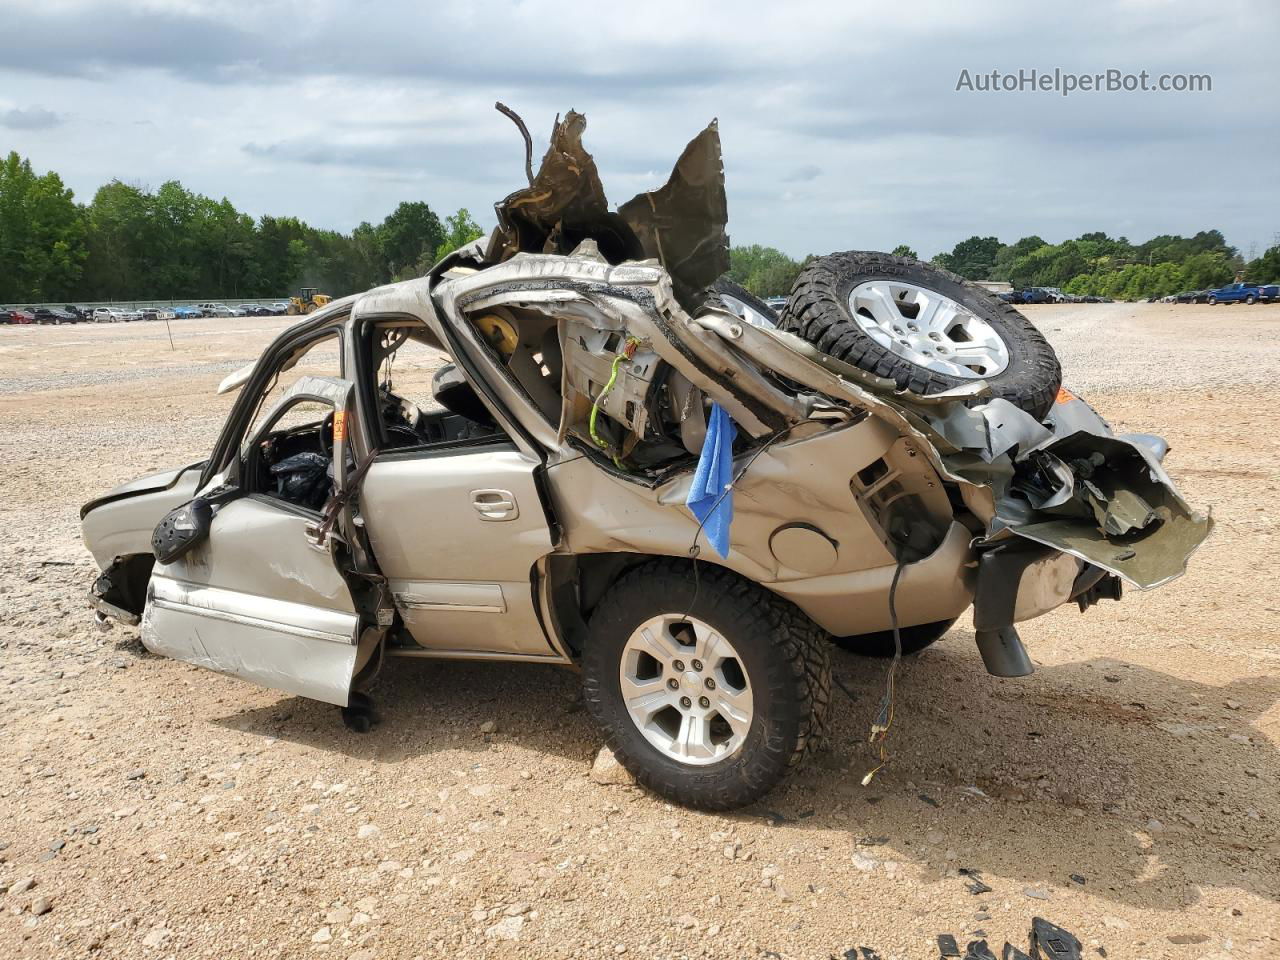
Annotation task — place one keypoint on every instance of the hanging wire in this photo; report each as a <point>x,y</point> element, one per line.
<point>884,716</point>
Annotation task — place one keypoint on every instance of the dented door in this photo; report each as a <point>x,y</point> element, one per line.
<point>260,598</point>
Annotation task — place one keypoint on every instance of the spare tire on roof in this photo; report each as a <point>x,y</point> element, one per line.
<point>924,328</point>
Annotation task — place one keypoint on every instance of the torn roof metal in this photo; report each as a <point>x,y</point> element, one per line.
<point>682,224</point>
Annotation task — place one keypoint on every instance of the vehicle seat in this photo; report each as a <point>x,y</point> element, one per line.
<point>452,391</point>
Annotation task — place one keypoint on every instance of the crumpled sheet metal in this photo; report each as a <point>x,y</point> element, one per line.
<point>636,297</point>
<point>566,188</point>
<point>1126,517</point>
<point>981,448</point>
<point>681,224</point>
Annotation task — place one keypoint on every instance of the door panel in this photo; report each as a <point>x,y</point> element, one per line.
<point>457,534</point>
<point>258,601</point>
<point>258,598</point>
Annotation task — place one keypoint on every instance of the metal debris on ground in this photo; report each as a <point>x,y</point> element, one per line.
<point>1051,942</point>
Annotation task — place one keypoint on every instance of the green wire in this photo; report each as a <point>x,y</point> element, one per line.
<point>595,410</point>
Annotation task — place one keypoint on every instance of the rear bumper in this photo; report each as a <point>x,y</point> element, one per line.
<point>1019,580</point>
<point>939,587</point>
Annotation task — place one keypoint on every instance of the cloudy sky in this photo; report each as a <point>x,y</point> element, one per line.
<point>841,121</point>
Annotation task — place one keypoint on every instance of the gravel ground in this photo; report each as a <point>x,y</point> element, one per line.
<point>1126,791</point>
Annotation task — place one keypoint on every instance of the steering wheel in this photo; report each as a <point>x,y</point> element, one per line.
<point>326,435</point>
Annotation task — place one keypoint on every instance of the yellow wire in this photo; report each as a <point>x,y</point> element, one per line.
<point>595,406</point>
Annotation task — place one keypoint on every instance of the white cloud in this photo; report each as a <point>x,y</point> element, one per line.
<point>841,124</point>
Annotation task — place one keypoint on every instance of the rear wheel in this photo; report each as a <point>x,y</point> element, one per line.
<point>709,692</point>
<point>880,643</point>
<point>1249,299</point>
<point>924,328</point>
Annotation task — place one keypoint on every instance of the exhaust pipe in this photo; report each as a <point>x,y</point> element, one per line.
<point>1003,653</point>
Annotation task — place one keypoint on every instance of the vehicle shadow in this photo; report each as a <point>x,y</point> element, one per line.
<point>423,706</point>
<point>1145,786</point>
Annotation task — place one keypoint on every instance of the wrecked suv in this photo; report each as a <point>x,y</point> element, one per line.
<point>632,467</point>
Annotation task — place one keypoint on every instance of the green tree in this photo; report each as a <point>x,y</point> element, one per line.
<point>410,231</point>
<point>1266,269</point>
<point>902,250</point>
<point>459,230</point>
<point>121,244</point>
<point>42,234</point>
<point>973,259</point>
<point>765,271</point>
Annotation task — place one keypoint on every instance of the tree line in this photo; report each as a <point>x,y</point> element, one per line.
<point>133,243</point>
<point>130,242</point>
<point>1093,264</point>
<point>1099,265</point>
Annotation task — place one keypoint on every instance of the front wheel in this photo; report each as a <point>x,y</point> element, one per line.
<point>1249,299</point>
<point>1213,301</point>
<point>708,691</point>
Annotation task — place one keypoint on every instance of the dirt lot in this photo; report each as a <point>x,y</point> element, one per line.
<point>1127,791</point>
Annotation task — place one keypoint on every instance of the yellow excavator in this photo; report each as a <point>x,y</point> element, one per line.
<point>309,300</point>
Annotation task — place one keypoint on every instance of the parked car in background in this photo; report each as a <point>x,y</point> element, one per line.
<point>106,315</point>
<point>1243,292</point>
<point>1037,295</point>
<point>217,310</point>
<point>187,313</point>
<point>279,308</point>
<point>79,313</point>
<point>19,316</point>
<point>55,316</point>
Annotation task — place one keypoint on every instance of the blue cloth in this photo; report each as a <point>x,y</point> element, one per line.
<point>712,479</point>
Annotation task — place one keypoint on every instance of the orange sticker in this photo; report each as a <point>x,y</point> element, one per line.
<point>339,426</point>
<point>1064,395</point>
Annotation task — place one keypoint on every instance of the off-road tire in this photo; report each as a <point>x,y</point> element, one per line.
<point>818,311</point>
<point>880,643</point>
<point>784,655</point>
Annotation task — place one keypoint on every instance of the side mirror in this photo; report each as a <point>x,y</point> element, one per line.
<point>181,530</point>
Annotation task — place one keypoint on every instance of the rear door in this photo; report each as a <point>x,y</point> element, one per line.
<point>262,598</point>
<point>457,530</point>
<point>457,526</point>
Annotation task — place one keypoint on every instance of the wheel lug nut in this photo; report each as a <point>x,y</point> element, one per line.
<point>673,683</point>
<point>677,666</point>
<point>686,702</point>
<point>711,684</point>
<point>703,702</point>
<point>697,665</point>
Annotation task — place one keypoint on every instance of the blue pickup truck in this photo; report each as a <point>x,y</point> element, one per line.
<point>1245,293</point>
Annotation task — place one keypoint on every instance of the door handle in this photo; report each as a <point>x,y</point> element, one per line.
<point>495,504</point>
